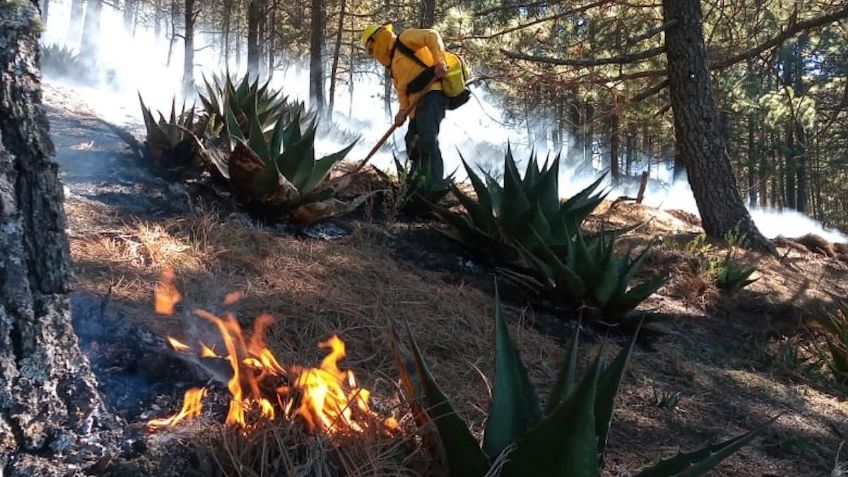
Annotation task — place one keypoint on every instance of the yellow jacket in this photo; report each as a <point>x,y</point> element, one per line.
<point>428,47</point>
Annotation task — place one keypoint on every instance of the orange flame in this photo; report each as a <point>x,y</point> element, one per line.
<point>233,297</point>
<point>166,293</point>
<point>178,346</point>
<point>328,399</point>
<point>206,352</point>
<point>192,405</point>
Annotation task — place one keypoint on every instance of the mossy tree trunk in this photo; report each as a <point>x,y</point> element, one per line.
<point>47,391</point>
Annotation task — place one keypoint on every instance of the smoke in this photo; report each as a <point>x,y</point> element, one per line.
<point>138,64</point>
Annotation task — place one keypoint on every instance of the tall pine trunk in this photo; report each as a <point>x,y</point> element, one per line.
<point>255,11</point>
<point>89,49</point>
<point>47,390</point>
<point>129,15</point>
<point>316,49</point>
<point>696,127</point>
<point>428,14</point>
<point>615,148</point>
<point>335,67</point>
<point>188,57</point>
<point>75,28</point>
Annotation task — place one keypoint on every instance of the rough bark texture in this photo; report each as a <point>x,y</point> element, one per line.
<point>316,50</point>
<point>48,395</point>
<point>336,53</point>
<point>428,14</point>
<point>188,44</point>
<point>255,12</point>
<point>696,125</point>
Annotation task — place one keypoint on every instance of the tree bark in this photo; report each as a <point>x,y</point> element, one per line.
<point>45,10</point>
<point>615,148</point>
<point>75,28</point>
<point>696,125</point>
<point>336,53</point>
<point>428,14</point>
<point>89,49</point>
<point>175,20</point>
<point>129,15</point>
<point>47,390</point>
<point>225,31</point>
<point>255,11</point>
<point>188,42</point>
<point>316,49</point>
<point>752,161</point>
<point>588,134</point>
<point>789,169</point>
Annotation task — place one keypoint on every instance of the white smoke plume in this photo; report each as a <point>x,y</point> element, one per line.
<point>136,64</point>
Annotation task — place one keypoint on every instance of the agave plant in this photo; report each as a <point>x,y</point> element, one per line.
<point>246,97</point>
<point>565,438</point>
<point>730,277</point>
<point>277,174</point>
<point>588,274</point>
<point>416,189</point>
<point>173,145</point>
<point>499,219</point>
<point>59,60</point>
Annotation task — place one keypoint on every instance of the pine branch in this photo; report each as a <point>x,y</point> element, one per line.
<point>612,60</point>
<point>792,30</point>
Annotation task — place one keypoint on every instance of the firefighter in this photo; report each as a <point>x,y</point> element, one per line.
<point>416,60</point>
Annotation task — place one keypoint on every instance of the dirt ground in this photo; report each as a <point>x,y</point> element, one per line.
<point>719,366</point>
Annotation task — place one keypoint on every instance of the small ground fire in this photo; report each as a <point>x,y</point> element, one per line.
<point>327,399</point>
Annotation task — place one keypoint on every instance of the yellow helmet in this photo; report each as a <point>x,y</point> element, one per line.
<point>370,30</point>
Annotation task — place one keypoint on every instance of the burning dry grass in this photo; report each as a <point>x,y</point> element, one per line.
<point>351,286</point>
<point>315,289</point>
<point>284,449</point>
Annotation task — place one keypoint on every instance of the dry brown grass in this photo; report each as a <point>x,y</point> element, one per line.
<point>351,286</point>
<point>348,287</point>
<point>283,448</point>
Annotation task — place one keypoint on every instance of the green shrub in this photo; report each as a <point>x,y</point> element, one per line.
<point>730,276</point>
<point>416,190</point>
<point>61,61</point>
<point>565,438</point>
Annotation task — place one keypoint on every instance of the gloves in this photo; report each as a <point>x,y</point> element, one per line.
<point>400,118</point>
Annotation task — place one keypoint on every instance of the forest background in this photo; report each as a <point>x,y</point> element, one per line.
<point>587,80</point>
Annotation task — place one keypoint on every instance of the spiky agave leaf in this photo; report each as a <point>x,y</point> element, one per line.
<point>608,385</point>
<point>250,177</point>
<point>567,376</point>
<point>586,273</point>
<point>564,442</point>
<point>464,456</point>
<point>731,277</point>
<point>699,462</point>
<point>567,441</point>
<point>515,406</point>
<point>172,144</point>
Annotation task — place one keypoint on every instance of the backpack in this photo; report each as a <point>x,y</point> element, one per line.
<point>453,82</point>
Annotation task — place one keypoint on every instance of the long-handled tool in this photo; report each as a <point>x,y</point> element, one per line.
<point>391,130</point>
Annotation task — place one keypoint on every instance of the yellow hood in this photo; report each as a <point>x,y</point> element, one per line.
<point>383,42</point>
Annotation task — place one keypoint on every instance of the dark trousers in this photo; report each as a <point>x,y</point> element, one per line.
<point>422,135</point>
